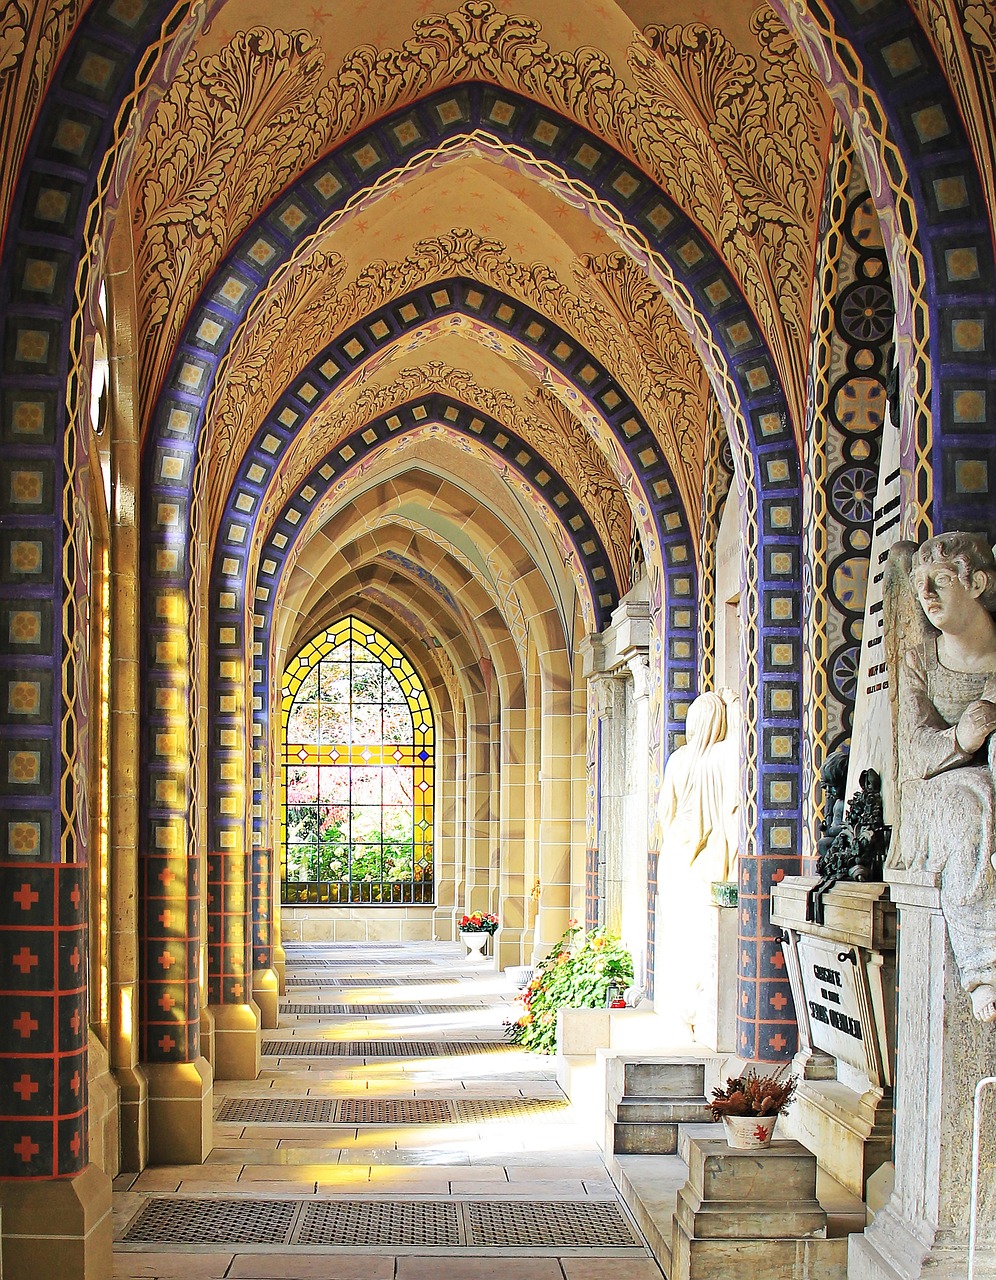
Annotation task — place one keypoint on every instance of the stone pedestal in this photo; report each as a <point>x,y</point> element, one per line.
<point>181,1099</point>
<point>133,1108</point>
<point>59,1227</point>
<point>236,1041</point>
<point>843,982</point>
<point>942,1052</point>
<point>266,997</point>
<point>752,1209</point>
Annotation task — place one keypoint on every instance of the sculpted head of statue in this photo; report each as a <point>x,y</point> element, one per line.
<point>949,571</point>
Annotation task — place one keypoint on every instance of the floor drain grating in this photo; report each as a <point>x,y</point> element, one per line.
<point>356,962</point>
<point>214,1221</point>
<point>497,1224</point>
<point>367,1010</point>
<point>360,1111</point>
<point>393,1111</point>
<point>382,1048</point>
<point>432,1224</point>
<point>537,1110</point>
<point>276,1111</point>
<point>425,1224</point>
<point>371,982</point>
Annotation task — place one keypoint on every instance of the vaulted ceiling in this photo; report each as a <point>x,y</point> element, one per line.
<point>539,213</point>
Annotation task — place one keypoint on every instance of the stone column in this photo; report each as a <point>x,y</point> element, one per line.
<point>236,1018</point>
<point>635,886</point>
<point>512,838</point>
<point>265,982</point>
<point>124,709</point>
<point>55,1206</point>
<point>942,1052</point>
<point>608,691</point>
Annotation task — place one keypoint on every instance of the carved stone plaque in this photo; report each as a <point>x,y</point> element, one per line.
<point>832,999</point>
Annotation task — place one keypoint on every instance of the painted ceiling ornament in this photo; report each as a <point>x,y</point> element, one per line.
<point>734,140</point>
<point>563,441</point>
<point>941,646</point>
<point>672,380</point>
<point>233,128</point>
<point>666,383</point>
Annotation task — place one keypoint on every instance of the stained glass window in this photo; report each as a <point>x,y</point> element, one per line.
<point>357,772</point>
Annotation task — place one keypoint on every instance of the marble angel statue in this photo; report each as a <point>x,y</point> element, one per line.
<point>941,639</point>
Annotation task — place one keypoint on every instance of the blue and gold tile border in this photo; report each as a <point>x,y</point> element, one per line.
<point>738,357</point>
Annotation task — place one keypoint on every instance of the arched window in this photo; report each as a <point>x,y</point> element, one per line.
<point>357,773</point>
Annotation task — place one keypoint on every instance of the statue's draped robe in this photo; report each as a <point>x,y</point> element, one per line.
<point>948,807</point>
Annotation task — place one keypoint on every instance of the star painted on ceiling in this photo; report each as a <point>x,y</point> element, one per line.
<point>569,31</point>
<point>320,16</point>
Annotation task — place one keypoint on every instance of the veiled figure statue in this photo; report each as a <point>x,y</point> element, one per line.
<point>699,796</point>
<point>699,814</point>
<point>945,651</point>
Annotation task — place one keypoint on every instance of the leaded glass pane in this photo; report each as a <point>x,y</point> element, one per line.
<point>357,777</point>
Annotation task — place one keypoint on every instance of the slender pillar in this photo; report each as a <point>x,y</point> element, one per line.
<point>265,982</point>
<point>123,1046</point>
<point>55,1206</point>
<point>236,1017</point>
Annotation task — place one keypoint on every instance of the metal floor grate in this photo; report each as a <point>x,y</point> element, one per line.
<point>394,1111</point>
<point>535,1110</point>
<point>500,1224</point>
<point>357,962</point>
<point>276,1111</point>
<point>365,1010</point>
<point>361,1111</point>
<point>371,982</point>
<point>432,1223</point>
<point>214,1221</point>
<point>382,1048</point>
<point>424,1224</point>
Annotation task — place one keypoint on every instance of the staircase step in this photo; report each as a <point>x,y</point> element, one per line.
<point>664,1079</point>
<point>662,1110</point>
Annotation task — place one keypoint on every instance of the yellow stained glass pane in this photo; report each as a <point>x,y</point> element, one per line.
<point>357,775</point>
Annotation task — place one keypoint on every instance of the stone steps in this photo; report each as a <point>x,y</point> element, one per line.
<point>648,1100</point>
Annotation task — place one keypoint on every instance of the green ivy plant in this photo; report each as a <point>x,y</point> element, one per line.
<point>576,974</point>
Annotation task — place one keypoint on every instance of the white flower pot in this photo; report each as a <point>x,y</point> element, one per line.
<point>476,944</point>
<point>748,1133</point>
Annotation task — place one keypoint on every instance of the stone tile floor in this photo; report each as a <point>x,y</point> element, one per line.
<point>542,1159</point>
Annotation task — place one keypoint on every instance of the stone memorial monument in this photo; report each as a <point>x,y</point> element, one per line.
<point>941,646</point>
<point>696,940</point>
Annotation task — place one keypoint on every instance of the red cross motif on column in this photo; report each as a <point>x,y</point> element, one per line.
<point>26,1149</point>
<point>43,1129</point>
<point>25,1024</point>
<point>25,1088</point>
<point>25,897</point>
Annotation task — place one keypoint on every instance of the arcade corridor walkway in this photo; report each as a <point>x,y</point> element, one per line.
<point>390,1128</point>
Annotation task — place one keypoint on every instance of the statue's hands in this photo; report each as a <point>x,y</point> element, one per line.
<point>977,722</point>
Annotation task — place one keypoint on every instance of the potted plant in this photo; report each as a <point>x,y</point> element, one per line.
<point>475,930</point>
<point>749,1105</point>
<point>577,974</point>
